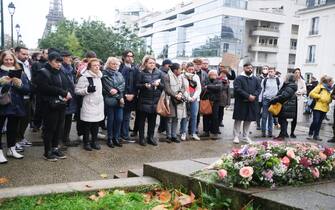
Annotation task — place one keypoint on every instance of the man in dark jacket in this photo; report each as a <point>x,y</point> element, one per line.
<point>52,85</point>
<point>246,92</point>
<point>203,80</point>
<point>72,105</point>
<point>22,55</point>
<point>164,68</point>
<point>129,72</point>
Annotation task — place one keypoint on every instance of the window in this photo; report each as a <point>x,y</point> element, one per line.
<point>311,54</point>
<point>225,47</point>
<point>314,26</point>
<point>293,44</point>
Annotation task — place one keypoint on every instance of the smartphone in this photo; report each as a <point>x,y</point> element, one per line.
<point>15,73</point>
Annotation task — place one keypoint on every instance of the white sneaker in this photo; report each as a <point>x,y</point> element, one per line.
<point>18,147</point>
<point>183,137</point>
<point>25,143</point>
<point>195,137</point>
<point>80,138</point>
<point>247,140</point>
<point>2,157</point>
<point>236,140</point>
<point>101,136</point>
<point>12,153</point>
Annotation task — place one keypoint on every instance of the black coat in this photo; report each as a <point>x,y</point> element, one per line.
<point>148,97</point>
<point>243,87</point>
<point>130,75</point>
<point>287,97</point>
<point>53,85</point>
<point>213,90</point>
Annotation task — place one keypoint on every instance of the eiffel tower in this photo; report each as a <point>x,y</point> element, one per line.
<point>55,15</point>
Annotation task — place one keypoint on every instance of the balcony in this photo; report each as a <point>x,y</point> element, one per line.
<point>265,31</point>
<point>264,48</point>
<point>313,32</point>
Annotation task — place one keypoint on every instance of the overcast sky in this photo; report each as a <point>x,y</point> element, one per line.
<point>30,14</point>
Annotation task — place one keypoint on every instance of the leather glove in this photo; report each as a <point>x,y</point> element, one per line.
<point>91,89</point>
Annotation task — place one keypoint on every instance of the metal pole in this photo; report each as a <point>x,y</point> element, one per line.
<point>2,27</point>
<point>11,18</point>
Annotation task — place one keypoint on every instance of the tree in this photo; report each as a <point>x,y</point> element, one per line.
<point>94,35</point>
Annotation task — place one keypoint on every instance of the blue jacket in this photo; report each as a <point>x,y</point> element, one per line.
<point>16,107</point>
<point>70,73</point>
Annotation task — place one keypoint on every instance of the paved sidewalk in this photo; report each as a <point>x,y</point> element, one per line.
<point>82,165</point>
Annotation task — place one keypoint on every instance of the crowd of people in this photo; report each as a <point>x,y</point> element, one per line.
<point>50,89</point>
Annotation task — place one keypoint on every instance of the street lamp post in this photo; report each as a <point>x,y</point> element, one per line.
<point>166,48</point>
<point>17,28</point>
<point>11,9</point>
<point>2,26</point>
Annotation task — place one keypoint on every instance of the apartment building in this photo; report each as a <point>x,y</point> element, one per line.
<point>316,46</point>
<point>261,32</point>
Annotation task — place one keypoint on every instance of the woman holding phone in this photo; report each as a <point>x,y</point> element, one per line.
<point>14,85</point>
<point>150,89</point>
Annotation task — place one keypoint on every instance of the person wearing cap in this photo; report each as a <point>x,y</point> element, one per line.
<point>165,67</point>
<point>72,106</point>
<point>52,84</point>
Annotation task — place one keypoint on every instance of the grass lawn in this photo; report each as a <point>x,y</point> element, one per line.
<point>156,199</point>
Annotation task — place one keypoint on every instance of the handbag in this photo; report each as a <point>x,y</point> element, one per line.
<point>275,109</point>
<point>205,106</point>
<point>5,98</point>
<point>163,106</point>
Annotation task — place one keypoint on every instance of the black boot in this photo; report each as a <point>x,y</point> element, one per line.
<point>142,142</point>
<point>95,145</point>
<point>117,143</point>
<point>152,141</point>
<point>87,147</point>
<point>110,143</point>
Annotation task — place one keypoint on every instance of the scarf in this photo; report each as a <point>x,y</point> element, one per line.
<point>6,68</point>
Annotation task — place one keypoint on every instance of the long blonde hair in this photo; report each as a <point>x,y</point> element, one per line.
<point>8,52</point>
<point>145,60</point>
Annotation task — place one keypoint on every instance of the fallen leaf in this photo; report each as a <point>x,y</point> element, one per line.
<point>165,196</point>
<point>93,198</point>
<point>88,186</point>
<point>104,176</point>
<point>147,197</point>
<point>39,201</point>
<point>159,207</point>
<point>101,194</point>
<point>3,180</point>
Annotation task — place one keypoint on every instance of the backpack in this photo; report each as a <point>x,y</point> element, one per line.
<point>277,80</point>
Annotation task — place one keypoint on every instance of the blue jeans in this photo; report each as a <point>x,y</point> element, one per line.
<point>314,129</point>
<point>114,121</point>
<point>192,119</point>
<point>125,124</point>
<point>266,116</point>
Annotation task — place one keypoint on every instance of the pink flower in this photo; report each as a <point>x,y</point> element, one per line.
<point>315,173</point>
<point>222,173</point>
<point>290,154</point>
<point>286,161</point>
<point>268,174</point>
<point>246,172</point>
<point>322,156</point>
<point>252,151</point>
<point>329,151</point>
<point>305,162</point>
<point>235,152</point>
